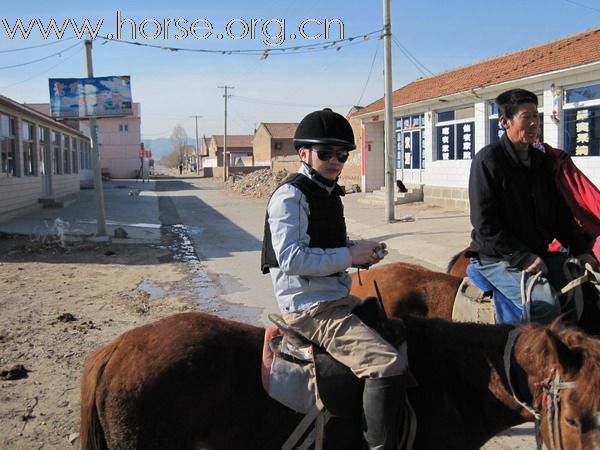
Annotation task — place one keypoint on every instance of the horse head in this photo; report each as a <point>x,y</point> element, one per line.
<point>564,381</point>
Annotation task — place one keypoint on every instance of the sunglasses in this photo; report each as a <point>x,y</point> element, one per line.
<point>326,153</point>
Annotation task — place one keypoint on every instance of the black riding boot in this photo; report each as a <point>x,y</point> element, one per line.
<point>381,406</point>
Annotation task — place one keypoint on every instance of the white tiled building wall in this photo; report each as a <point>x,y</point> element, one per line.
<point>454,174</point>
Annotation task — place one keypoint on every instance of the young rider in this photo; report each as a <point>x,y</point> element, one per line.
<point>307,251</point>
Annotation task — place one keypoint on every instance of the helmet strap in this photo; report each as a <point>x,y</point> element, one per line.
<point>320,178</point>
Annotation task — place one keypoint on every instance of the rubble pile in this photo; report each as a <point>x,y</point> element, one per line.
<point>258,184</point>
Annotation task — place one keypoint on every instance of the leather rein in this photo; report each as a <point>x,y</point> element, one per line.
<point>551,389</point>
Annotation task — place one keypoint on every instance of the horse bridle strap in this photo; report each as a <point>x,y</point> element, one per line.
<point>553,385</point>
<point>508,349</point>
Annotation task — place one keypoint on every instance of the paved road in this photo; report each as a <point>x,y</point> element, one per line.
<point>227,234</point>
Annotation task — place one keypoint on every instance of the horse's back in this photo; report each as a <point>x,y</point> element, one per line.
<point>408,288</point>
<point>175,383</point>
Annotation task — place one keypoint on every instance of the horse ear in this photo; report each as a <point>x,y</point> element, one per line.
<point>569,358</point>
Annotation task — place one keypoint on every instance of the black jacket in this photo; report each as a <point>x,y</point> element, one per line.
<point>517,211</point>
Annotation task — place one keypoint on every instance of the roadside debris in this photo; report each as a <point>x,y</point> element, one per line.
<point>16,372</point>
<point>258,184</point>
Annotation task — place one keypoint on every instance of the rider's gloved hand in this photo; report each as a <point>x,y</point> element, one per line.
<point>588,258</point>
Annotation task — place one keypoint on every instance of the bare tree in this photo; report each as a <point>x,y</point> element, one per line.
<point>179,138</point>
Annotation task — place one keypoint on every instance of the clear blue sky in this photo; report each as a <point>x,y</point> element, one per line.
<point>172,86</point>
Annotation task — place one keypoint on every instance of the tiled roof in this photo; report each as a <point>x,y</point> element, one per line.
<point>235,140</point>
<point>281,130</point>
<point>575,50</point>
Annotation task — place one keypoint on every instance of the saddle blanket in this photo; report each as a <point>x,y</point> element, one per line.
<point>471,306</point>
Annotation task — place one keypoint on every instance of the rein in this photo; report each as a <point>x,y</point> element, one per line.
<point>571,267</point>
<point>552,387</point>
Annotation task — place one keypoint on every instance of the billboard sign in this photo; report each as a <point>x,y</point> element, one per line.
<point>80,98</point>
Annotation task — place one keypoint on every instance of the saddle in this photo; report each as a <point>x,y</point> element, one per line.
<point>305,378</point>
<point>329,376</point>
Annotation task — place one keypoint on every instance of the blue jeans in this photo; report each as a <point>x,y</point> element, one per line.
<point>545,305</point>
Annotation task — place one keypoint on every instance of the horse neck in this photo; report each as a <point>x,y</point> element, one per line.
<point>465,364</point>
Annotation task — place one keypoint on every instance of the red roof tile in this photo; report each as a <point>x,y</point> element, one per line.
<point>578,49</point>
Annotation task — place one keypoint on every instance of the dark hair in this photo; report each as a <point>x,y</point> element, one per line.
<point>509,101</point>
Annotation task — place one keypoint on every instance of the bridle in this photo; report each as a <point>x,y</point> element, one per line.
<point>551,389</point>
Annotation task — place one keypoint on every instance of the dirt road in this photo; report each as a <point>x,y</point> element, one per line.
<point>57,305</point>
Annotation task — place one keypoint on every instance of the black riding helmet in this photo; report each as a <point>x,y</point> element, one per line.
<point>324,127</point>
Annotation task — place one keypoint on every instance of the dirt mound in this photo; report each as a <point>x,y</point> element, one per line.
<point>258,184</point>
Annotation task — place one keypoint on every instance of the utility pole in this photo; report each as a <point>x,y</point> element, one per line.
<point>225,161</point>
<point>101,227</point>
<point>197,150</point>
<point>390,154</point>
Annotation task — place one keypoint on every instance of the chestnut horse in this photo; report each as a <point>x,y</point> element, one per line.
<point>193,380</point>
<point>410,288</point>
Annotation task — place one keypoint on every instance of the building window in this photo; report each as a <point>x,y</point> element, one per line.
<point>582,131</point>
<point>7,145</point>
<point>28,138</point>
<point>74,159</point>
<point>410,146</point>
<point>66,154</point>
<point>84,155</point>
<point>56,153</point>
<point>581,113</point>
<point>277,145</point>
<point>583,94</point>
<point>455,131</point>
<point>124,127</point>
<point>42,143</point>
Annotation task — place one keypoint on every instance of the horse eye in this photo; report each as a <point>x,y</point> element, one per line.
<point>572,422</point>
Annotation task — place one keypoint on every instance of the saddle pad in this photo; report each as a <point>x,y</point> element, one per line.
<point>286,378</point>
<point>469,305</point>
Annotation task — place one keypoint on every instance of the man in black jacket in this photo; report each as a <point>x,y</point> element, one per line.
<point>516,211</point>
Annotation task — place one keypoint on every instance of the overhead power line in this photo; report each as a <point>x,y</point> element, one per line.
<point>263,52</point>
<point>41,59</point>
<point>63,60</point>
<point>263,101</point>
<point>46,44</point>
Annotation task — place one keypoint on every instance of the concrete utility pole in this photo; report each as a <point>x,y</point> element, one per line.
<point>390,153</point>
<point>225,161</point>
<point>99,194</point>
<point>197,149</point>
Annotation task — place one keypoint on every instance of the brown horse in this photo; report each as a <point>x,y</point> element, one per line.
<point>193,380</point>
<point>409,288</point>
<point>458,264</point>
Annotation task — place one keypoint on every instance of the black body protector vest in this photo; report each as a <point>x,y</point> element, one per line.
<point>326,223</point>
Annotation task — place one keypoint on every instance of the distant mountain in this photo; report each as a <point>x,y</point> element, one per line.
<point>161,146</point>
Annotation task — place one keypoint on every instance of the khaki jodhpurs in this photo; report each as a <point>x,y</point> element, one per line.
<point>348,340</point>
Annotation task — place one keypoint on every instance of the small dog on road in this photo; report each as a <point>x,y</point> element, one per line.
<point>134,193</point>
